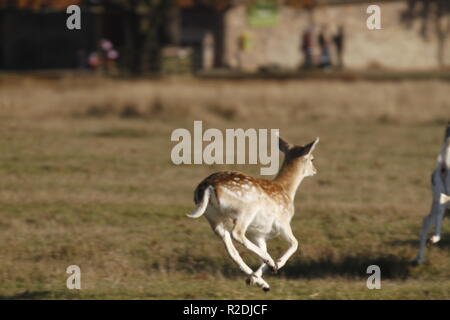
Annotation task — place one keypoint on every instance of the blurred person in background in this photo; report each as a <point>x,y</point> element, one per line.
<point>338,40</point>
<point>244,44</point>
<point>324,44</point>
<point>307,48</point>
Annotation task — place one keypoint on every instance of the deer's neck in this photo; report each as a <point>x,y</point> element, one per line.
<point>290,176</point>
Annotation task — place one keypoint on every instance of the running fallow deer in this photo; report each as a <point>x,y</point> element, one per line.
<point>440,186</point>
<point>251,210</point>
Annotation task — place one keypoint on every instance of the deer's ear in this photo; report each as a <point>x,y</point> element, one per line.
<point>284,145</point>
<point>309,148</point>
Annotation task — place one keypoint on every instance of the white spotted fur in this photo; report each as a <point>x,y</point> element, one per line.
<point>244,211</point>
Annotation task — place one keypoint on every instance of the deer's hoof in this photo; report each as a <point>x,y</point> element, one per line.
<point>274,268</point>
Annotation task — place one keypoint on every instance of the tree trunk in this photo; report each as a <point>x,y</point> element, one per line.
<point>130,42</point>
<point>442,30</point>
<point>441,51</point>
<point>173,23</point>
<point>147,38</point>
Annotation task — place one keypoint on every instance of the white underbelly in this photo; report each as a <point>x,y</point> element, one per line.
<point>263,225</point>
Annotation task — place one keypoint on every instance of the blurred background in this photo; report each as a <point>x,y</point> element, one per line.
<point>183,36</point>
<point>86,118</point>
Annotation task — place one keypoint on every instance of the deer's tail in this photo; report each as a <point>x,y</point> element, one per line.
<point>201,199</point>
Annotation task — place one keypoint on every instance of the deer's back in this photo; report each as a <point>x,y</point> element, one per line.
<point>243,190</point>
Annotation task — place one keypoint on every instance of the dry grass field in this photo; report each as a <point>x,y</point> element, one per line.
<point>86,179</point>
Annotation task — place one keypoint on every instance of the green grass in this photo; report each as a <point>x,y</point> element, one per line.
<point>101,193</point>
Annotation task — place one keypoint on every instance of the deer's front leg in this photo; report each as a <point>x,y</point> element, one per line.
<point>293,246</point>
<point>238,233</point>
<point>287,234</point>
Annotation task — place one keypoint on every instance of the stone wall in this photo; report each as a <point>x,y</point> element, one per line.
<point>394,47</point>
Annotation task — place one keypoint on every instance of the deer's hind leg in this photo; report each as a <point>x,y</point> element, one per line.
<point>234,254</point>
<point>427,223</point>
<point>225,235</point>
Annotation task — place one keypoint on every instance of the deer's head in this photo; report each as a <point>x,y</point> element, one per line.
<point>299,158</point>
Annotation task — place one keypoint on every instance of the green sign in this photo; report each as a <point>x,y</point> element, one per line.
<point>263,13</point>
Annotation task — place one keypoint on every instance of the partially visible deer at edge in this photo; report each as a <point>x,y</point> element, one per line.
<point>440,187</point>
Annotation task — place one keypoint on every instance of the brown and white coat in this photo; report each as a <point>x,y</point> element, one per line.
<point>251,211</point>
